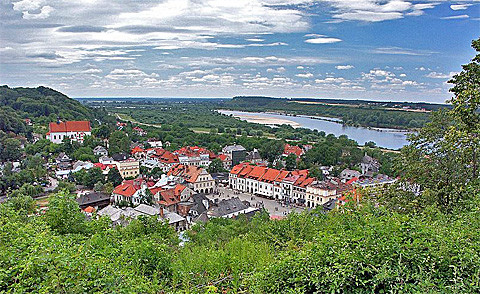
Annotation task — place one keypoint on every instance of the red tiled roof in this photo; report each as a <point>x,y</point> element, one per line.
<point>257,172</point>
<point>238,168</point>
<point>89,209</point>
<point>128,188</point>
<point>270,175</point>
<point>187,172</point>
<point>70,126</point>
<point>246,170</point>
<point>289,149</point>
<point>352,180</point>
<point>222,157</point>
<point>137,149</point>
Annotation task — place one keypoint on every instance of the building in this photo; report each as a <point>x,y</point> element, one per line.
<point>154,143</point>
<point>100,151</point>
<point>74,130</point>
<point>236,153</point>
<point>129,168</point>
<point>369,166</point>
<point>131,191</point>
<point>195,155</point>
<point>230,208</point>
<point>348,174</point>
<point>292,149</point>
<point>270,183</point>
<point>97,200</point>
<point>196,178</point>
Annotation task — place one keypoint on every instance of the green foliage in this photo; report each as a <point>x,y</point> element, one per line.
<point>291,162</point>
<point>442,158</point>
<point>119,142</point>
<point>272,150</point>
<point>63,214</point>
<point>216,166</point>
<point>114,177</point>
<point>9,149</point>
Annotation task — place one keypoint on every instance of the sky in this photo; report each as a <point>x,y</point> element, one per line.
<point>389,50</point>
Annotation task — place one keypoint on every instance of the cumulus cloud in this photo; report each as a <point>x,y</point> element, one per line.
<point>344,67</point>
<point>439,75</point>
<point>306,75</point>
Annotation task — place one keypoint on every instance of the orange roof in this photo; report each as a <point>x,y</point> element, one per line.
<point>246,170</point>
<point>282,175</point>
<point>89,209</point>
<point>352,180</point>
<point>128,188</point>
<point>270,175</point>
<point>289,149</point>
<point>238,168</point>
<point>189,173</point>
<point>70,126</point>
<point>137,149</point>
<point>257,172</point>
<point>222,157</point>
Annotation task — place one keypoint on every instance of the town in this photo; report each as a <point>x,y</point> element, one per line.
<point>191,184</point>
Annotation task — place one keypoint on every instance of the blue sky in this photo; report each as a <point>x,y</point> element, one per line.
<point>393,50</point>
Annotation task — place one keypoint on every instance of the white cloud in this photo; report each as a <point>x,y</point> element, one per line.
<point>344,67</point>
<point>463,16</point>
<point>92,71</point>
<point>402,51</point>
<point>322,40</point>
<point>439,75</point>
<point>459,6</point>
<point>306,75</point>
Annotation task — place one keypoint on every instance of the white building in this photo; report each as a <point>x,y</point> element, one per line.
<point>74,130</point>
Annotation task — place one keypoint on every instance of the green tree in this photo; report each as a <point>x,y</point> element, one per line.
<point>10,149</point>
<point>119,142</point>
<point>64,215</point>
<point>442,158</point>
<point>272,150</point>
<point>291,162</point>
<point>114,177</point>
<point>216,166</point>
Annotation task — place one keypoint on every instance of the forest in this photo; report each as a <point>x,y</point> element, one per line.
<point>367,114</point>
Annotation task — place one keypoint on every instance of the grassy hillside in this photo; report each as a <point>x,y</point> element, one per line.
<point>356,114</point>
<point>368,250</point>
<point>41,105</point>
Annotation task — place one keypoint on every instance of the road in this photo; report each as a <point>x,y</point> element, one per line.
<point>273,207</point>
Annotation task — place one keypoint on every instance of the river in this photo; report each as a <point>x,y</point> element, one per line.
<point>386,138</point>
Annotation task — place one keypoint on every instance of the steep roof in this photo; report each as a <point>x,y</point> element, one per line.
<point>270,175</point>
<point>128,188</point>
<point>137,149</point>
<point>70,126</point>
<point>290,149</point>
<point>257,172</point>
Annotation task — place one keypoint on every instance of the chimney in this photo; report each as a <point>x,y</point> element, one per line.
<point>161,212</point>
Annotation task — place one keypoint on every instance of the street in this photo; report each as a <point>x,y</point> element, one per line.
<point>273,207</point>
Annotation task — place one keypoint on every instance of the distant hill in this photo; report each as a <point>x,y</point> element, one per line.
<point>41,105</point>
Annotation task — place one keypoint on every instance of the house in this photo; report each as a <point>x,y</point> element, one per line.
<point>79,165</point>
<point>139,131</point>
<point>348,174</point>
<point>95,199</point>
<point>100,151</point>
<point>195,207</point>
<point>196,178</point>
<point>63,161</point>
<point>106,160</point>
<point>131,191</point>
<point>226,161</point>
<point>236,153</point>
<point>120,156</point>
<point>369,166</point>
<point>291,149</point>
<point>74,130</point>
<point>230,208</point>
<point>169,197</point>
<point>270,183</point>
<point>124,216</point>
<point>154,143</point>
<point>254,156</point>
<point>128,168</point>
<point>163,159</point>
<point>138,153</point>
<point>195,155</point>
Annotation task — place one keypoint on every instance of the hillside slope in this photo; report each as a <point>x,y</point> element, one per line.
<point>40,104</point>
